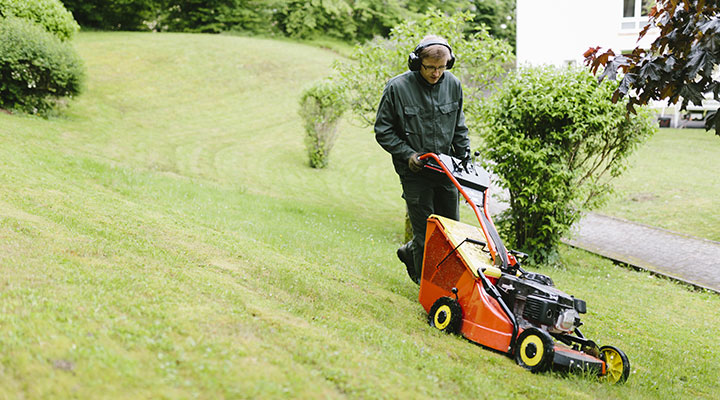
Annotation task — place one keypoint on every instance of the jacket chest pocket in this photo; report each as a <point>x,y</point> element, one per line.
<point>448,116</point>
<point>412,123</point>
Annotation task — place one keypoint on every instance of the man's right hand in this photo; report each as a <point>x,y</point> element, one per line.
<point>414,163</point>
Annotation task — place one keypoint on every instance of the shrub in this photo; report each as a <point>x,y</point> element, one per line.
<point>36,68</point>
<point>113,14</point>
<point>178,15</point>
<point>321,106</point>
<point>50,14</point>
<point>343,19</point>
<point>556,139</point>
<point>301,18</point>
<point>216,16</point>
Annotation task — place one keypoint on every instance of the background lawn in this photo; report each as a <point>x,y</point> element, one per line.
<point>164,238</point>
<point>672,182</point>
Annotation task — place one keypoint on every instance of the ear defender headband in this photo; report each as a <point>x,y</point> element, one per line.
<point>414,60</point>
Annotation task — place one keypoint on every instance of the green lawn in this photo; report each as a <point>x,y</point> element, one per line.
<point>164,238</point>
<point>672,182</point>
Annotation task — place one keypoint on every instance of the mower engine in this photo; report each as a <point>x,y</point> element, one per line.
<point>535,301</point>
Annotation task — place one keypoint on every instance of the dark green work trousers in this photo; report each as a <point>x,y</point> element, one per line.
<point>427,193</point>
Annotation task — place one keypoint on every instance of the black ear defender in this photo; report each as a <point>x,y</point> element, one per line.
<point>414,60</point>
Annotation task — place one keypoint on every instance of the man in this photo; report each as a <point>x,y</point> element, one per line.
<point>421,111</point>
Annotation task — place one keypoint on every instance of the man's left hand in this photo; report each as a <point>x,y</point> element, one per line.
<point>414,163</point>
<point>466,160</point>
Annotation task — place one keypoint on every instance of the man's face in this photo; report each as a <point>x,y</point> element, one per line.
<point>432,69</point>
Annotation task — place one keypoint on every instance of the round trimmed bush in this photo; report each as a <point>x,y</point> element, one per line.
<point>50,14</point>
<point>556,140</point>
<point>36,68</point>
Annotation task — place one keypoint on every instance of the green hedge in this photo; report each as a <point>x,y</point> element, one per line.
<point>556,141</point>
<point>50,14</point>
<point>216,16</point>
<point>36,68</point>
<point>177,15</point>
<point>127,15</point>
<point>351,20</point>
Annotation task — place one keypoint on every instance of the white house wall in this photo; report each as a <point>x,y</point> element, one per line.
<point>558,32</point>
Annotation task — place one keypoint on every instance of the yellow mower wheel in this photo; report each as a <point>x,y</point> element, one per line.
<point>617,365</point>
<point>446,315</point>
<point>535,350</point>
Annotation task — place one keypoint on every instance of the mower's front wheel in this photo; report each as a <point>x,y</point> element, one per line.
<point>446,315</point>
<point>617,365</point>
<point>535,350</point>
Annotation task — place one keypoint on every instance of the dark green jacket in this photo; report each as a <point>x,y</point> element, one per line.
<point>416,117</point>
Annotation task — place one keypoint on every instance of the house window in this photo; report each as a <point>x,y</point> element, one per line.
<point>635,13</point>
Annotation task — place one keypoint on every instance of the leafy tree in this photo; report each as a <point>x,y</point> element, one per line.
<point>497,17</point>
<point>250,15</point>
<point>302,18</point>
<point>215,16</point>
<point>346,19</point>
<point>555,140</point>
<point>351,20</point>
<point>114,14</point>
<point>177,15</point>
<point>679,64</point>
<point>357,20</point>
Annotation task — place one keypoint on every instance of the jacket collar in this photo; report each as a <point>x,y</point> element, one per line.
<point>423,83</point>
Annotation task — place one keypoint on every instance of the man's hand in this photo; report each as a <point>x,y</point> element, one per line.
<point>414,163</point>
<point>466,160</point>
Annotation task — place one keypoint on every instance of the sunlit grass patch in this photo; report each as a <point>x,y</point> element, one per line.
<point>672,183</point>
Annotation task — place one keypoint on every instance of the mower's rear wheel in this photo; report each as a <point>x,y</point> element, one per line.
<point>617,365</point>
<point>446,315</point>
<point>535,350</point>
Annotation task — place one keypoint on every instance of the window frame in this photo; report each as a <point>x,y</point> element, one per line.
<point>637,21</point>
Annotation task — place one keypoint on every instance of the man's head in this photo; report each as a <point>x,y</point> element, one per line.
<point>431,57</point>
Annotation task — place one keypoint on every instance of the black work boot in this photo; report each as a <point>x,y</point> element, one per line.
<point>405,255</point>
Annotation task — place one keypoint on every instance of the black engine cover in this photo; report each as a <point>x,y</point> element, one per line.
<point>540,310</point>
<point>532,298</point>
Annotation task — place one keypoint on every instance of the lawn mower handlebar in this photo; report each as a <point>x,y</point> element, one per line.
<point>472,181</point>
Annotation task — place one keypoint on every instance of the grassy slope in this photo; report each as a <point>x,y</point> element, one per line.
<point>673,183</point>
<point>164,238</point>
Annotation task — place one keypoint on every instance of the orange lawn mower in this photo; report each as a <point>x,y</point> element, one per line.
<point>473,286</point>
